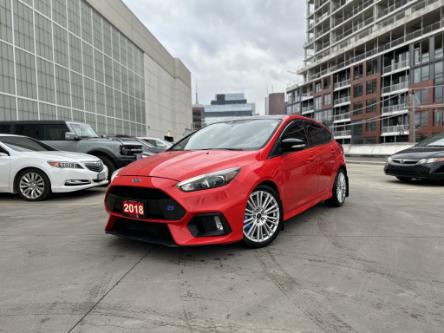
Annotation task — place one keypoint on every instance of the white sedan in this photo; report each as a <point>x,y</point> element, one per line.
<point>34,170</point>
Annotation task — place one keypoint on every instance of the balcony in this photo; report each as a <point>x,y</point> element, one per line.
<point>398,66</point>
<point>343,134</point>
<point>342,84</point>
<point>342,100</point>
<point>395,110</point>
<point>306,111</point>
<point>400,129</point>
<point>395,87</point>
<point>306,96</point>
<point>341,118</point>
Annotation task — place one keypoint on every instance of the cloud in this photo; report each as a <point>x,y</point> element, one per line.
<point>231,45</point>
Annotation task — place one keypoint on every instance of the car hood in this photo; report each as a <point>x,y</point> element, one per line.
<point>417,153</point>
<point>63,156</point>
<point>181,165</point>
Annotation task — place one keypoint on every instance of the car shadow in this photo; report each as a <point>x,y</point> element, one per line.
<point>419,182</point>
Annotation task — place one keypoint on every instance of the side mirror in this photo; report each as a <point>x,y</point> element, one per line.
<point>3,155</point>
<point>293,144</point>
<point>71,136</point>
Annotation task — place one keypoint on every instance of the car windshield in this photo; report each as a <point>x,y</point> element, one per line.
<point>83,130</point>
<point>231,135</point>
<point>435,141</point>
<point>22,144</point>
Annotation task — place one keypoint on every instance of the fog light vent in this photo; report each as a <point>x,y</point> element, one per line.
<point>209,225</point>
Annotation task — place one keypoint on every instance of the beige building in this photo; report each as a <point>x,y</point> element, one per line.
<point>91,61</point>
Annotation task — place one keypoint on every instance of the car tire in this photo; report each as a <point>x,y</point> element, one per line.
<point>405,179</point>
<point>267,227</point>
<point>109,164</point>
<point>340,190</point>
<point>33,185</point>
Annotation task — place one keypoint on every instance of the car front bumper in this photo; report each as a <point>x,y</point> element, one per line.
<point>432,171</point>
<point>72,180</point>
<point>173,217</point>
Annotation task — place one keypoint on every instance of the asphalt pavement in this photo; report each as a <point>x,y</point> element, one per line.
<point>374,265</point>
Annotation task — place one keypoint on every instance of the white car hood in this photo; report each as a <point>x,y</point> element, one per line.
<point>63,156</point>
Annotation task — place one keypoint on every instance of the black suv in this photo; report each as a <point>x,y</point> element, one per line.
<point>77,137</point>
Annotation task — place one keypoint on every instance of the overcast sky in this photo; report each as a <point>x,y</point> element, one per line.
<point>231,45</point>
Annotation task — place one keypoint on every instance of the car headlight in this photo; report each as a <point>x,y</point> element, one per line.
<point>210,180</point>
<point>390,159</point>
<point>115,174</point>
<point>431,160</point>
<point>65,165</point>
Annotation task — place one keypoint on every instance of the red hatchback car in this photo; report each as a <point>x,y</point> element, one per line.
<point>231,181</point>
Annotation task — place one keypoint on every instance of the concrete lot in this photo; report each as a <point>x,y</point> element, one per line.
<point>374,265</point>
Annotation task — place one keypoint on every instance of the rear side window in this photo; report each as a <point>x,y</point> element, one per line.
<point>6,129</point>
<point>32,130</point>
<point>54,132</point>
<point>317,134</point>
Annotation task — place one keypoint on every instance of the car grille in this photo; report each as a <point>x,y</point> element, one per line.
<point>405,162</point>
<point>156,233</point>
<point>158,205</point>
<point>94,166</point>
<point>400,171</point>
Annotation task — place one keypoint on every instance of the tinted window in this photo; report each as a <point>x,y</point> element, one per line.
<point>6,129</point>
<point>54,132</point>
<point>24,144</point>
<point>317,134</point>
<point>296,131</point>
<point>3,151</point>
<point>32,130</point>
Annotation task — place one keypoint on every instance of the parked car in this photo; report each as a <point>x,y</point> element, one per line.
<point>77,137</point>
<point>423,161</point>
<point>231,181</point>
<point>148,149</point>
<point>159,144</point>
<point>34,170</point>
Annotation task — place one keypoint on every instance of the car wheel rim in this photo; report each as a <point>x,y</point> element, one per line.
<point>262,216</point>
<point>341,187</point>
<point>32,185</point>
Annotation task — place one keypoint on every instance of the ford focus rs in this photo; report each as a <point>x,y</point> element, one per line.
<point>231,181</point>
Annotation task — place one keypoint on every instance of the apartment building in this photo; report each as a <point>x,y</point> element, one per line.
<point>373,69</point>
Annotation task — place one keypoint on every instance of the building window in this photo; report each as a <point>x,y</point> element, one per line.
<point>439,95</point>
<point>372,66</point>
<point>371,87</point>
<point>318,87</point>
<point>438,46</point>
<point>317,103</point>
<point>357,90</point>
<point>357,72</point>
<point>421,119</point>
<point>439,78</point>
<point>370,106</point>
<point>370,126</point>
<point>438,118</point>
<point>327,99</point>
<point>358,108</point>
<point>421,74</point>
<point>422,96</point>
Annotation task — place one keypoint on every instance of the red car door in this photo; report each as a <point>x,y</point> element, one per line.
<point>320,140</point>
<point>298,169</point>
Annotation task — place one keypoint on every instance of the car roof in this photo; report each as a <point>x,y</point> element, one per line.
<point>6,134</point>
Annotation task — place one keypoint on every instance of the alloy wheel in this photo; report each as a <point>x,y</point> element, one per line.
<point>341,187</point>
<point>32,185</point>
<point>262,217</point>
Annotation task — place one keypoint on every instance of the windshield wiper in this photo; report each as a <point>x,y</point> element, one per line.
<point>232,149</point>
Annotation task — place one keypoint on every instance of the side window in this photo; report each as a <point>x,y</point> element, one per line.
<point>3,150</point>
<point>54,132</point>
<point>32,130</point>
<point>317,134</point>
<point>295,131</point>
<point>5,129</point>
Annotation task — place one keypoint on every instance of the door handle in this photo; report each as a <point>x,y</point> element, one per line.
<point>311,158</point>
